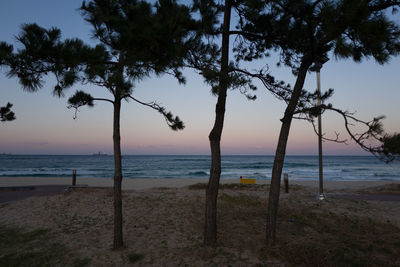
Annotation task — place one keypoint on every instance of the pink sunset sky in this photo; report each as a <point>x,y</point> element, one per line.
<point>45,126</point>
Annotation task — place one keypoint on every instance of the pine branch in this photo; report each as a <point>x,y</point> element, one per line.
<point>173,122</point>
<point>278,88</point>
<point>6,114</point>
<point>80,99</point>
<point>248,35</point>
<point>373,133</point>
<point>381,5</point>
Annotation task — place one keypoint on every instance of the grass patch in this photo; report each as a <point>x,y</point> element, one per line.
<point>308,234</point>
<point>198,186</point>
<point>231,186</point>
<point>238,186</point>
<point>240,200</point>
<point>135,257</point>
<point>81,262</point>
<point>33,248</point>
<point>10,236</point>
<point>311,238</point>
<point>244,187</point>
<point>162,188</point>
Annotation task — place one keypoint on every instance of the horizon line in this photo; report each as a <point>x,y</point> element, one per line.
<point>111,154</point>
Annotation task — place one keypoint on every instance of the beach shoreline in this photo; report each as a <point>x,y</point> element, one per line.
<point>149,183</point>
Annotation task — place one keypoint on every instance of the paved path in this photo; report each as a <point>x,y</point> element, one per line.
<point>12,193</point>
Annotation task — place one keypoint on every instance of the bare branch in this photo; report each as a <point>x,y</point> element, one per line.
<point>174,123</point>
<point>336,139</point>
<point>103,99</point>
<point>373,133</point>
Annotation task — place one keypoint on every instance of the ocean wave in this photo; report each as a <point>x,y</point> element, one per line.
<point>193,160</point>
<point>246,167</point>
<point>259,175</point>
<point>198,173</point>
<point>355,169</point>
<point>299,167</point>
<point>383,175</point>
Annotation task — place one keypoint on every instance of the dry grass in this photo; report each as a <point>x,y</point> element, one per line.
<point>242,187</point>
<point>231,186</point>
<point>164,228</point>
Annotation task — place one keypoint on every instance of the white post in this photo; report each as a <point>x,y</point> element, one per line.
<point>321,195</point>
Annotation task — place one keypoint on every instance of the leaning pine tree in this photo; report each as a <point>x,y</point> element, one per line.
<point>306,32</point>
<point>136,39</point>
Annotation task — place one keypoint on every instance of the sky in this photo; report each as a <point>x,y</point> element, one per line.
<point>44,125</point>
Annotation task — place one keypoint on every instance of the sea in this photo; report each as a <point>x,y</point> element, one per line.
<point>338,168</point>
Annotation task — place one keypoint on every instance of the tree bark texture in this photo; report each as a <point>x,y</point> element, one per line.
<point>274,191</point>
<point>210,225</point>
<point>118,237</point>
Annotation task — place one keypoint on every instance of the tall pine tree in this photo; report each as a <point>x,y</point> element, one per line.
<point>305,32</point>
<point>136,39</point>
<point>211,58</point>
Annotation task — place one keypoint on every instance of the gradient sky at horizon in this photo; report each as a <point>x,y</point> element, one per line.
<point>45,126</point>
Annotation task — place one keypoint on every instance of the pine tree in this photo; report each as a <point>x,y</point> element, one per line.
<point>136,39</point>
<point>305,32</point>
<point>211,59</point>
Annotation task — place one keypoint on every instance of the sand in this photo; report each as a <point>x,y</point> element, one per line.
<point>163,218</point>
<point>148,183</point>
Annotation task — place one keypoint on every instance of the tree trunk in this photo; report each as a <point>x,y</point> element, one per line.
<point>118,238</point>
<point>280,154</point>
<point>210,225</point>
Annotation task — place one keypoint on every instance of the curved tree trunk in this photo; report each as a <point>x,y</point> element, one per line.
<point>274,191</point>
<point>118,238</point>
<point>210,225</point>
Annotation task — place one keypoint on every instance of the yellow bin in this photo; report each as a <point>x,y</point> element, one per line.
<point>247,180</point>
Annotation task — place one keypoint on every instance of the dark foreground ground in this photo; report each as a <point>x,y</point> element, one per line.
<point>164,227</point>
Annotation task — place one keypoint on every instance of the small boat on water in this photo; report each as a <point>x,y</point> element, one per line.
<point>99,154</point>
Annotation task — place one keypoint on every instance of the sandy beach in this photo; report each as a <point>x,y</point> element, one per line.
<point>163,224</point>
<point>148,183</point>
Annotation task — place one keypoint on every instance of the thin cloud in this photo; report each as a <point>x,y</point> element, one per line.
<point>36,143</point>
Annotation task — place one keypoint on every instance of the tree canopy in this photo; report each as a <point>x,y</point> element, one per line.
<point>5,54</point>
<point>6,114</point>
<point>306,33</point>
<point>391,145</point>
<point>135,40</point>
